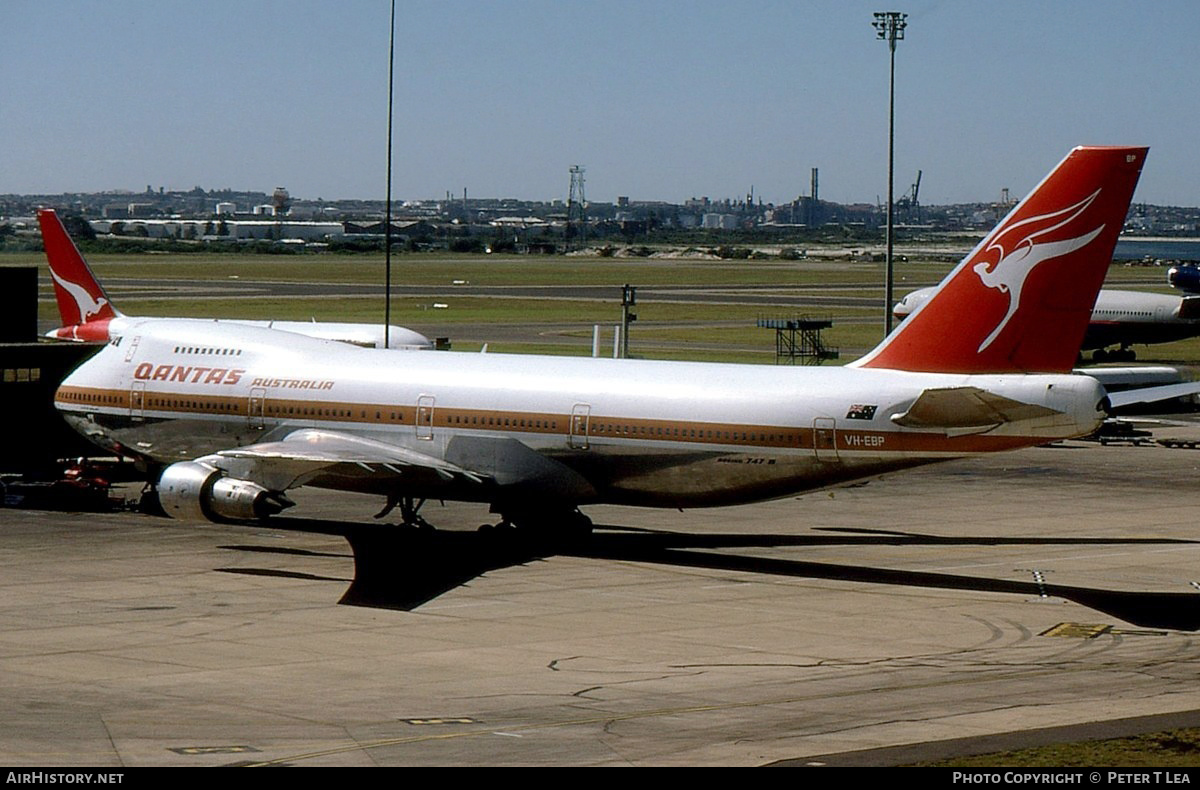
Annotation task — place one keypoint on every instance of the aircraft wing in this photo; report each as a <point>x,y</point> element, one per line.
<point>246,483</point>
<point>964,410</point>
<point>305,454</point>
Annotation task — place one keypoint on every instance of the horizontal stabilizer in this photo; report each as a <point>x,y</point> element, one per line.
<point>1153,394</point>
<point>1189,308</point>
<point>966,410</point>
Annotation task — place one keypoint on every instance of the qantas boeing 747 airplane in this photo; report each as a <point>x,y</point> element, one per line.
<point>231,417</point>
<point>88,315</point>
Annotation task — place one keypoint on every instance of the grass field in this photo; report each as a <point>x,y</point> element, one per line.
<point>664,330</point>
<point>434,269</point>
<point>1171,749</point>
<point>442,269</point>
<point>707,335</point>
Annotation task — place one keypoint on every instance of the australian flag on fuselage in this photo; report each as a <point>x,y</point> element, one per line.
<point>861,411</point>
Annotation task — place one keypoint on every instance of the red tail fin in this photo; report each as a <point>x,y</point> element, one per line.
<point>80,297</point>
<point>1020,302</point>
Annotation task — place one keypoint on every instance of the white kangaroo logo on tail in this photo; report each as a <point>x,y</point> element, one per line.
<point>1009,274</point>
<point>88,305</point>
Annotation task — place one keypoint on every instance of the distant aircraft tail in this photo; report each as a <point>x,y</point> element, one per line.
<point>1021,301</point>
<point>81,298</point>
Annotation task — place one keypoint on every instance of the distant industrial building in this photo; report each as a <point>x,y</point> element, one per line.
<point>719,222</point>
<point>232,229</point>
<point>123,210</point>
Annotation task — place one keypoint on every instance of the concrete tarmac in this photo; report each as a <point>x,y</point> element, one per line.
<point>871,624</point>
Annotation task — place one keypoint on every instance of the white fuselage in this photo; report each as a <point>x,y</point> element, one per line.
<point>396,338</point>
<point>639,432</point>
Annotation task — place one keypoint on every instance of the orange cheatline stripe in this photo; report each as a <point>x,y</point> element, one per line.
<point>597,426</point>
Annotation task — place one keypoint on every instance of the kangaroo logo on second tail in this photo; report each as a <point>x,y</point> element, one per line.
<point>1009,273</point>
<point>89,305</point>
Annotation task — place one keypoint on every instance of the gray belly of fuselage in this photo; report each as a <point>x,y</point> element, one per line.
<point>619,472</point>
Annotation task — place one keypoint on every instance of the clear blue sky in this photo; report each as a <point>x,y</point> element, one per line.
<point>658,99</point>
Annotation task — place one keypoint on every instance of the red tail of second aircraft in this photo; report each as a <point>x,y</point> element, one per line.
<point>81,299</point>
<point>1021,301</point>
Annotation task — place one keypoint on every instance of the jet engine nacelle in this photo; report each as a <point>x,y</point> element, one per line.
<point>192,490</point>
<point>1185,278</point>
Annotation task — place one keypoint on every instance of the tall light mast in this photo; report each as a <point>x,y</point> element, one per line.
<point>889,26</point>
<point>387,212</point>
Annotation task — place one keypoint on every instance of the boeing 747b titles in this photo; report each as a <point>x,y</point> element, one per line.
<point>232,417</point>
<point>87,314</point>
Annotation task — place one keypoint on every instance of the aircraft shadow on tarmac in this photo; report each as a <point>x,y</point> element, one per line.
<point>403,568</point>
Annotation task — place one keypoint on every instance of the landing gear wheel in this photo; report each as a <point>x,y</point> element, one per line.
<point>149,503</point>
<point>408,511</point>
<point>555,524</point>
<point>1099,355</point>
<point>578,525</point>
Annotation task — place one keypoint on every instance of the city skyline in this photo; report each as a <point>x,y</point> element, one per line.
<point>665,102</point>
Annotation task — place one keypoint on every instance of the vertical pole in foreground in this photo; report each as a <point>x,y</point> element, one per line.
<point>628,300</point>
<point>889,26</point>
<point>387,214</point>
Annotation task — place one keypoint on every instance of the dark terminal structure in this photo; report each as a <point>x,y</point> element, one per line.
<point>31,369</point>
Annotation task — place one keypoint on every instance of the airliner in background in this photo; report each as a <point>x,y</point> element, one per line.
<point>1185,277</point>
<point>88,315</point>
<point>1120,318</point>
<point>230,417</point>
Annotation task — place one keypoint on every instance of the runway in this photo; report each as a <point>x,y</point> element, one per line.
<point>902,616</point>
<point>811,296</point>
<point>768,296</point>
<point>773,298</point>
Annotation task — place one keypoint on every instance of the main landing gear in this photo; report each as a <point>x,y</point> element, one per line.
<point>1123,354</point>
<point>408,511</point>
<point>563,523</point>
<point>560,522</point>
